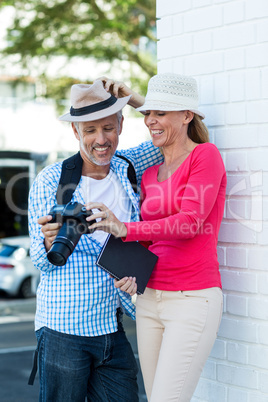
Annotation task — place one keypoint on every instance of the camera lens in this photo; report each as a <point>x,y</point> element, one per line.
<point>61,249</point>
<point>64,244</point>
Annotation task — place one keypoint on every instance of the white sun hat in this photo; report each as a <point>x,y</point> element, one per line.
<point>171,92</point>
<point>92,102</point>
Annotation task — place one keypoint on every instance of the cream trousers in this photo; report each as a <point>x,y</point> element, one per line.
<point>176,332</point>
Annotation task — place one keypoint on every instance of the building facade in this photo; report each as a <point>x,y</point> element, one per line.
<point>224,45</point>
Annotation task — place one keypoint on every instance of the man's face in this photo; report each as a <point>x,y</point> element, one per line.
<point>99,139</point>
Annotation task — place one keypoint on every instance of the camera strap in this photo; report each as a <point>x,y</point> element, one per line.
<point>71,173</point>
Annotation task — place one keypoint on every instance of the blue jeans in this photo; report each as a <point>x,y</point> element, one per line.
<point>73,368</point>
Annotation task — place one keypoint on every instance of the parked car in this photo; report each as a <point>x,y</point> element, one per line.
<point>18,276</point>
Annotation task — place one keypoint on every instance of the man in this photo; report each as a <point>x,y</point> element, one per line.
<point>82,348</point>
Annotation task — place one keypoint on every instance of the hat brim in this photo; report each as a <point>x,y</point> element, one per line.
<point>116,107</point>
<point>166,107</point>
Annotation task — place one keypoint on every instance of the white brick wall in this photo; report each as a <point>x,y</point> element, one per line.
<point>224,45</point>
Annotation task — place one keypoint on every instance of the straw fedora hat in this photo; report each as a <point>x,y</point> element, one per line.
<point>92,102</point>
<point>171,92</point>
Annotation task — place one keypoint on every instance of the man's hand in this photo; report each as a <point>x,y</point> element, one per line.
<point>49,230</point>
<point>127,284</point>
<point>119,89</point>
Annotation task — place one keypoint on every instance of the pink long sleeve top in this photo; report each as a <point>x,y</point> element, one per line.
<point>181,217</point>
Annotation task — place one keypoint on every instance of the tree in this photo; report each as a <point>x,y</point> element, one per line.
<point>102,29</point>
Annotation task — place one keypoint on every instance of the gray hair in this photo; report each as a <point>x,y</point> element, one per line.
<point>119,116</point>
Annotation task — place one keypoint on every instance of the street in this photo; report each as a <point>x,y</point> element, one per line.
<point>17,345</point>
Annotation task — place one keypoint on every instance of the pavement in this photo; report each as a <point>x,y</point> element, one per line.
<point>23,310</point>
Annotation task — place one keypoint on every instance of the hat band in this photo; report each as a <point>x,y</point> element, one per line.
<point>93,108</point>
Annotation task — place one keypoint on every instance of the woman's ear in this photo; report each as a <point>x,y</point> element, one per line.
<point>189,116</point>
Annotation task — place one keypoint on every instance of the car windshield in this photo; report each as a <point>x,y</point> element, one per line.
<point>6,250</point>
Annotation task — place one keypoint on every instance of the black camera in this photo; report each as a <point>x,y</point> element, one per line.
<point>72,216</point>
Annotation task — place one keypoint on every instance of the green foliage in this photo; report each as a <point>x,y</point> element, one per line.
<point>101,29</point>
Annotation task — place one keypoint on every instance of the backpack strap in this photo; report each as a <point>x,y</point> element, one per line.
<point>70,176</point>
<point>131,174</point>
<point>71,173</point>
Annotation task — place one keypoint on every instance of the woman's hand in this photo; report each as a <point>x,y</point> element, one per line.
<point>49,230</point>
<point>127,284</point>
<point>108,221</point>
<point>119,89</point>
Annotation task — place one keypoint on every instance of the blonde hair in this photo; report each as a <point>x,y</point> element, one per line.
<point>197,130</point>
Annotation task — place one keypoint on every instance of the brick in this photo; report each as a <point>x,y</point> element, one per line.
<point>236,113</point>
<point>264,82</point>
<point>265,209</point>
<point>171,7</point>
<point>202,18</point>
<point>206,63</point>
<point>206,90</point>
<point>233,12</point>
<point>244,183</point>
<point>221,255</point>
<point>262,237</point>
<point>209,371</point>
<point>178,65</point>
<point>237,209</point>
<point>237,353</point>
<point>221,88</point>
<point>236,257</point>
<point>256,9</point>
<point>234,59</point>
<point>258,258</point>
<point>257,397</point>
<point>237,87</point>
<point>177,24</point>
<point>237,395</point>
<point>257,111</point>
<point>215,115</point>
<point>257,56</point>
<point>206,391</point>
<point>258,356</point>
<point>258,308</point>
<point>263,284</point>
<point>235,137</point>
<point>263,333</point>
<point>262,136</point>
<point>239,376</point>
<point>164,27</point>
<point>219,350</point>
<point>202,42</point>
<point>237,305</point>
<point>174,46</point>
<point>253,84</point>
<point>257,159</point>
<point>238,233</point>
<point>239,282</point>
<point>201,3</point>
<point>236,161</point>
<point>234,36</point>
<point>264,383</point>
<point>165,66</point>
<point>262,31</point>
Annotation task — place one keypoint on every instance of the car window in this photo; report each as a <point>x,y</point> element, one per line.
<point>6,250</point>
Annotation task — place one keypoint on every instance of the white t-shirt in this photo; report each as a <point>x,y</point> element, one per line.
<point>110,192</point>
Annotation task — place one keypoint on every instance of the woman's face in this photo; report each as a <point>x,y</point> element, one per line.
<point>167,127</point>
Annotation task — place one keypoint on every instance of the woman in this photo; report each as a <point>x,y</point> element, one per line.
<point>178,315</point>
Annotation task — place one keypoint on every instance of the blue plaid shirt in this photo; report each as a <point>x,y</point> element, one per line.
<point>79,298</point>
